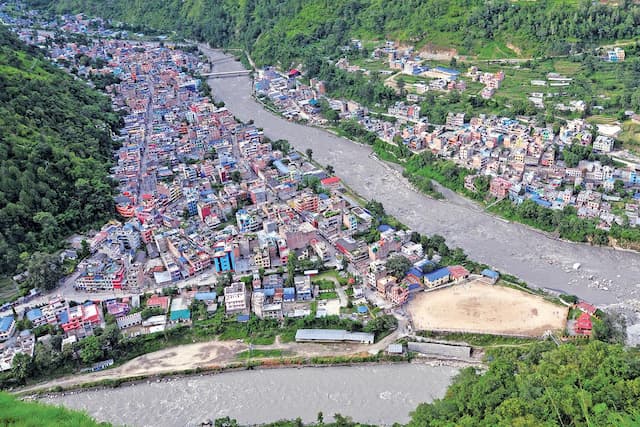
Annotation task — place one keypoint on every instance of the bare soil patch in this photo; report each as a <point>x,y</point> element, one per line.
<point>476,307</point>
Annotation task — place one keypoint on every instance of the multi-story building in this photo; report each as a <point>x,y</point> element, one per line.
<point>7,327</point>
<point>80,320</point>
<point>223,257</point>
<point>236,298</point>
<point>101,275</point>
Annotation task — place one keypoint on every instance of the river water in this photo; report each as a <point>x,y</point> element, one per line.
<point>510,247</point>
<point>380,394</point>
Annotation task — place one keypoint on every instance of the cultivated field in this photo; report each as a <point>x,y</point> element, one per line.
<point>480,308</point>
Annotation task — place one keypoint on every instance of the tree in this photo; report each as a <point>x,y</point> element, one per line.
<point>45,271</point>
<point>309,153</point>
<point>236,176</point>
<point>292,261</point>
<point>398,265</point>
<point>85,249</point>
<point>91,350</point>
<point>21,367</point>
<point>330,169</point>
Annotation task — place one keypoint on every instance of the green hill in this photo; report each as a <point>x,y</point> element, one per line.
<point>16,413</point>
<point>293,29</point>
<point>55,153</point>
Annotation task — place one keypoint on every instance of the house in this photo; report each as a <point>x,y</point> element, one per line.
<point>158,302</point>
<point>384,285</point>
<point>7,327</point>
<point>583,325</point>
<point>603,144</point>
<point>499,187</point>
<point>179,311</point>
<point>303,288</point>
<point>491,274</point>
<point>331,183</point>
<point>458,273</point>
<point>236,298</point>
<point>398,295</point>
<point>437,277</point>
<point>129,320</point>
<point>586,308</point>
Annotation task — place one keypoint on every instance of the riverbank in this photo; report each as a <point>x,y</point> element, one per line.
<point>371,393</point>
<point>513,248</point>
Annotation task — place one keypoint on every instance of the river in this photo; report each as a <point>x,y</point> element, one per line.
<point>510,247</point>
<point>380,394</point>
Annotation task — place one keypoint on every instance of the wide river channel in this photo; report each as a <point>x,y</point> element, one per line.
<point>510,247</point>
<point>378,394</point>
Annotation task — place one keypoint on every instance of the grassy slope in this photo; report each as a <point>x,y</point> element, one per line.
<point>16,413</point>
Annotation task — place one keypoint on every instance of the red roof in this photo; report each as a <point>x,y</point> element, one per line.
<point>458,271</point>
<point>587,308</point>
<point>156,301</point>
<point>583,324</point>
<point>332,180</point>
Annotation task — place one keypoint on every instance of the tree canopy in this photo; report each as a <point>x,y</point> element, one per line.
<point>55,153</point>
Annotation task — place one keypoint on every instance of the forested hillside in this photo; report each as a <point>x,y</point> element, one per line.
<point>289,30</point>
<point>55,153</point>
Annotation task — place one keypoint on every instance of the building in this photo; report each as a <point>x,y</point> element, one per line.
<point>179,311</point>
<point>458,273</point>
<point>333,335</point>
<point>384,285</point>
<point>223,258</point>
<point>583,325</point>
<point>264,307</point>
<point>158,302</point>
<point>499,187</point>
<point>603,144</point>
<point>303,288</point>
<point>398,294</point>
<point>129,320</point>
<point>80,320</point>
<point>437,278</point>
<point>236,298</point>
<point>7,327</point>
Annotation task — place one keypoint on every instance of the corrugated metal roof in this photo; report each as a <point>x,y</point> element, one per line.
<point>333,335</point>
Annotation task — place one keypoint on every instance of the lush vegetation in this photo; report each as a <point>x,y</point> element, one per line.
<point>55,152</point>
<point>593,384</point>
<point>16,413</point>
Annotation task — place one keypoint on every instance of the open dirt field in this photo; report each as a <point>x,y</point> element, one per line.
<point>480,308</point>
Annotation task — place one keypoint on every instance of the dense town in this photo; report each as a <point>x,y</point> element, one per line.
<point>216,215</point>
<point>228,219</point>
<point>523,161</point>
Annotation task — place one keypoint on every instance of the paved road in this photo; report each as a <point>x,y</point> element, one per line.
<point>513,248</point>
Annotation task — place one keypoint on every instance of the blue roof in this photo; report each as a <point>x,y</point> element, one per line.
<point>636,196</point>
<point>289,291</point>
<point>415,271</point>
<point>242,318</point>
<point>5,323</point>
<point>206,296</point>
<point>420,265</point>
<point>281,167</point>
<point>384,227</point>
<point>438,274</point>
<point>183,314</point>
<point>63,317</point>
<point>34,313</point>
<point>448,70</point>
<point>269,292</point>
<point>490,273</point>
